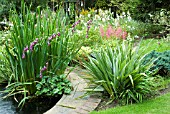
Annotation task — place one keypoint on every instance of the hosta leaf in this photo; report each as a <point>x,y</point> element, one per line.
<point>55,91</point>
<point>67,90</point>
<point>38,86</point>
<point>45,90</point>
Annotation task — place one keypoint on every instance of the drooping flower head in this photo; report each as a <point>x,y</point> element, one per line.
<point>24,51</point>
<point>43,69</point>
<point>54,36</point>
<point>58,34</point>
<point>88,27</point>
<point>51,38</point>
<point>74,25</point>
<point>33,44</point>
<point>89,22</point>
<point>23,55</point>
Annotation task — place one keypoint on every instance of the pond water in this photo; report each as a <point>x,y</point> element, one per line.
<point>9,106</point>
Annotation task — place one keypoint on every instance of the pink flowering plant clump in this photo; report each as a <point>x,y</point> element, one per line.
<point>111,32</point>
<point>41,46</point>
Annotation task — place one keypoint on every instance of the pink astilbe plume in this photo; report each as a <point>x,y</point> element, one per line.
<point>124,35</point>
<point>109,32</point>
<point>102,32</point>
<point>118,32</point>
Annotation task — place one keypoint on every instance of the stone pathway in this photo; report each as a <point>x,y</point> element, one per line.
<point>76,102</point>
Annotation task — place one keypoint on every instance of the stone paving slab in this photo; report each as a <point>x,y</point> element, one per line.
<point>75,103</point>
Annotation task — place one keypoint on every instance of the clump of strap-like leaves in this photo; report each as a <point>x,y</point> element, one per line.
<point>120,73</point>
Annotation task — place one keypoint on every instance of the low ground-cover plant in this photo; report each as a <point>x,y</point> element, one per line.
<point>160,83</point>
<point>120,73</point>
<point>53,86</point>
<point>41,44</point>
<point>162,62</point>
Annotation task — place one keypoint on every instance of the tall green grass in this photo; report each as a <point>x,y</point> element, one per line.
<point>41,44</point>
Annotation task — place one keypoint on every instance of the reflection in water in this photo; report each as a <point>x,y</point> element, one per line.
<point>8,106</point>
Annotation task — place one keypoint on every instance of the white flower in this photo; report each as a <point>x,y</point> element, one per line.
<point>97,17</point>
<point>103,19</point>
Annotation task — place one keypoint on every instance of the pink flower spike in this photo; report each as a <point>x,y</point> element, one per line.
<point>26,49</point>
<point>40,75</point>
<point>46,64</point>
<point>109,32</point>
<point>31,46</point>
<point>88,27</point>
<point>87,36</point>
<point>48,43</point>
<point>79,21</point>
<point>44,68</point>
<point>58,34</point>
<point>35,42</point>
<point>89,22</point>
<point>23,55</point>
<point>50,38</point>
<point>36,39</point>
<point>73,25</point>
<point>54,36</point>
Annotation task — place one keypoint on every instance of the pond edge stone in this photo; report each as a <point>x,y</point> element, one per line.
<point>76,102</point>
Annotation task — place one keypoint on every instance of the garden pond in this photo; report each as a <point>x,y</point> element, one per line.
<point>41,105</point>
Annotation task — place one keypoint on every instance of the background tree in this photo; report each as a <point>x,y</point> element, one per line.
<point>6,5</point>
<point>139,9</point>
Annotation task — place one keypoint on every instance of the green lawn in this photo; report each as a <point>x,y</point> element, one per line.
<point>159,105</point>
<point>159,45</point>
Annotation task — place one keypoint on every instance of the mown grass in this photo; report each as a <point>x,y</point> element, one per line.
<point>159,45</point>
<point>159,105</point>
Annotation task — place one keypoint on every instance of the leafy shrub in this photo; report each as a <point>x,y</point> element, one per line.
<point>143,8</point>
<point>53,86</point>
<point>120,73</point>
<point>162,62</point>
<point>138,28</point>
<point>160,17</point>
